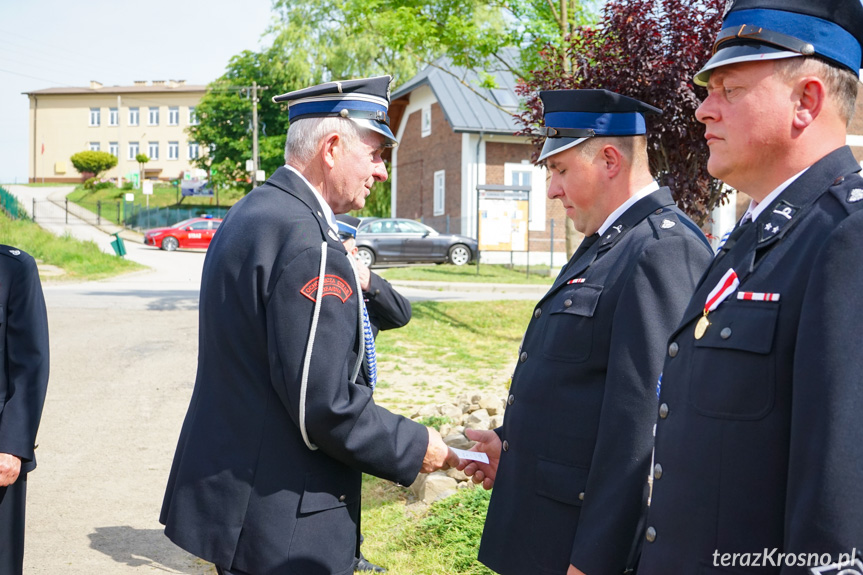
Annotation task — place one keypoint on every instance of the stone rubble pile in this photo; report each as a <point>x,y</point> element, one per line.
<point>477,411</point>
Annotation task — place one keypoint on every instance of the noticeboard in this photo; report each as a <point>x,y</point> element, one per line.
<point>503,221</point>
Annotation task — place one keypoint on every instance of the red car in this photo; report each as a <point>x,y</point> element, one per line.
<point>191,233</point>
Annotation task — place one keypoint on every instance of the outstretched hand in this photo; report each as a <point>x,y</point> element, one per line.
<point>438,455</point>
<point>489,443</point>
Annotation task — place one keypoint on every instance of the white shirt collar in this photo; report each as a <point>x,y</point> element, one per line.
<point>642,193</point>
<point>754,210</point>
<point>325,207</point>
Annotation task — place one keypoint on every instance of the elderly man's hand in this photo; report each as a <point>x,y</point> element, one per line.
<point>489,443</point>
<point>573,570</point>
<point>438,455</point>
<point>10,467</point>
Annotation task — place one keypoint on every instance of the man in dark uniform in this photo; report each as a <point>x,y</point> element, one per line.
<point>267,474</point>
<point>570,463</point>
<point>387,309</point>
<point>23,381</point>
<point>759,445</point>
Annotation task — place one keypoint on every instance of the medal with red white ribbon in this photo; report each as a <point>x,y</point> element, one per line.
<point>717,295</point>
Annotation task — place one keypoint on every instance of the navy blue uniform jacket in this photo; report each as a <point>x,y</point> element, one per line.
<point>23,355</point>
<point>578,429</point>
<point>245,491</point>
<point>759,438</point>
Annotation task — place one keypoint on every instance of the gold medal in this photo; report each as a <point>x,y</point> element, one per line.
<point>701,326</point>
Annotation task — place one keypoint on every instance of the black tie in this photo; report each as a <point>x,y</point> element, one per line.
<point>585,245</point>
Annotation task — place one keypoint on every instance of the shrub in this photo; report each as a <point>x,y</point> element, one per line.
<point>93,162</point>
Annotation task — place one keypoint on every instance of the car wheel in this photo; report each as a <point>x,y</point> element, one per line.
<point>170,243</point>
<point>367,256</point>
<point>459,254</point>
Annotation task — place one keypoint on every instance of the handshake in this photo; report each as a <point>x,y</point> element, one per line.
<point>481,470</point>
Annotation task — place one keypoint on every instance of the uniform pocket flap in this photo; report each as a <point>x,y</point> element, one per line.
<point>324,491</point>
<point>745,326</point>
<point>561,482</point>
<point>581,300</point>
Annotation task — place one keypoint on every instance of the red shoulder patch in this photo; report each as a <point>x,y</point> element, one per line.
<point>333,285</point>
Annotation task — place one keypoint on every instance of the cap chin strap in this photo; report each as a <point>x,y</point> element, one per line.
<point>376,115</point>
<point>758,34</point>
<point>567,132</point>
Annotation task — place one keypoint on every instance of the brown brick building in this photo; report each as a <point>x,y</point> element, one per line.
<point>453,138</point>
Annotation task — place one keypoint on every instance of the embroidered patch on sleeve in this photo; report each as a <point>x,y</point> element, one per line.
<point>333,285</point>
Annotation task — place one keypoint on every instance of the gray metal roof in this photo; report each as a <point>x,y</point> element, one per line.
<point>464,108</point>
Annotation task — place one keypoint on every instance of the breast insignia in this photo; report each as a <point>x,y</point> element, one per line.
<point>855,195</point>
<point>666,224</point>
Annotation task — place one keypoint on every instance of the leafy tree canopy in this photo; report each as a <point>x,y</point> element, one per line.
<point>649,50</point>
<point>93,162</point>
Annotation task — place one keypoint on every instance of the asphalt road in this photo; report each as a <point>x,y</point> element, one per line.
<point>123,360</point>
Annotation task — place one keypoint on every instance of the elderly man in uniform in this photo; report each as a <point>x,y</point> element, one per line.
<point>759,448</point>
<point>267,474</point>
<point>23,382</point>
<point>570,463</point>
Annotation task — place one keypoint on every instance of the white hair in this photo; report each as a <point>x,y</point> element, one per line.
<point>304,136</point>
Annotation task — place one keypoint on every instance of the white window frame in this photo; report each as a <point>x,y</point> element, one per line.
<point>173,150</point>
<point>153,116</point>
<point>95,117</point>
<point>194,150</point>
<point>537,216</point>
<point>439,192</point>
<point>193,117</point>
<point>153,150</point>
<point>426,121</point>
<point>134,150</point>
<point>114,149</point>
<point>113,117</point>
<point>95,147</point>
<point>134,116</point>
<point>174,115</point>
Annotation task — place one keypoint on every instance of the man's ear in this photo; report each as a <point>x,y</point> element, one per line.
<point>612,159</point>
<point>330,148</point>
<point>809,96</point>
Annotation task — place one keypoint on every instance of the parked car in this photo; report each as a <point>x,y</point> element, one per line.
<point>191,233</point>
<point>382,240</point>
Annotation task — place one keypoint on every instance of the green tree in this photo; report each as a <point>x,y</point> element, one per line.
<point>142,160</point>
<point>93,162</point>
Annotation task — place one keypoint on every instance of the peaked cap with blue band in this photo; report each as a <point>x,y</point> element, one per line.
<point>772,29</point>
<point>365,101</point>
<point>347,225</point>
<point>572,116</point>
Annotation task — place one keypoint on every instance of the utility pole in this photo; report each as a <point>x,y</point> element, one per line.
<point>255,164</point>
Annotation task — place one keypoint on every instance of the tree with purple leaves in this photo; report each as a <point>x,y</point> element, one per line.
<point>649,50</point>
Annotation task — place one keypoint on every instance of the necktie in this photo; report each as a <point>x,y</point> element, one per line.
<point>585,245</point>
<point>369,351</point>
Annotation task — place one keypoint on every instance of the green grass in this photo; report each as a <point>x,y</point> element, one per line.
<point>441,540</point>
<point>80,260</point>
<point>488,273</point>
<point>164,195</point>
<point>467,335</point>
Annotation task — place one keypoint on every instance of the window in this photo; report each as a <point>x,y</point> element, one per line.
<point>133,116</point>
<point>204,225</point>
<point>174,116</point>
<point>153,150</point>
<point>153,118</point>
<point>133,150</point>
<point>114,149</point>
<point>173,150</point>
<point>411,227</point>
<point>194,150</point>
<point>439,192</point>
<point>426,121</point>
<point>113,117</point>
<point>95,116</point>
<point>94,146</point>
<point>193,118</point>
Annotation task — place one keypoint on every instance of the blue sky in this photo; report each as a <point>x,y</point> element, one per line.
<point>54,43</point>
